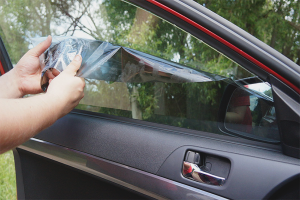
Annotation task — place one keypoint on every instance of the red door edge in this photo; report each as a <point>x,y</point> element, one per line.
<point>236,49</point>
<point>1,68</point>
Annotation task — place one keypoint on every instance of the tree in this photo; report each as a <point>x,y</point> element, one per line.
<point>22,20</point>
<point>275,22</point>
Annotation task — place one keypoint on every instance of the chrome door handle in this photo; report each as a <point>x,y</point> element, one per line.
<point>192,171</point>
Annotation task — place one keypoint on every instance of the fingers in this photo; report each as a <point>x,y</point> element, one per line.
<point>55,72</point>
<point>41,47</point>
<point>73,67</point>
<point>83,81</point>
<point>49,74</point>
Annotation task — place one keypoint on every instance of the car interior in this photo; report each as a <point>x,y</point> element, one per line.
<point>179,104</point>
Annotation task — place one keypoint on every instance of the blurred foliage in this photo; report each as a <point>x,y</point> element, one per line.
<point>275,22</point>
<point>7,177</point>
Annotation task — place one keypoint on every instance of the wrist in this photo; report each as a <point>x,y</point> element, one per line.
<point>16,81</point>
<point>44,108</point>
<point>10,85</point>
<point>56,103</point>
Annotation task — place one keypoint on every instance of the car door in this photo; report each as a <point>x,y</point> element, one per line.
<point>162,136</point>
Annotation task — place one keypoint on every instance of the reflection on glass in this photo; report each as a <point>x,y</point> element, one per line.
<point>252,114</point>
<point>238,112</point>
<point>194,172</point>
<point>188,105</point>
<point>262,88</point>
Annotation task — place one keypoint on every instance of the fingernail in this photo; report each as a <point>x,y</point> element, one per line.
<point>77,58</point>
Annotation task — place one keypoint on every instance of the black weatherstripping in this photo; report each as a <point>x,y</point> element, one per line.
<point>19,175</point>
<point>4,58</point>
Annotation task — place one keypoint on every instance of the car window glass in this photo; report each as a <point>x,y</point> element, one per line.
<point>251,113</point>
<point>113,21</point>
<point>276,23</point>
<point>192,105</point>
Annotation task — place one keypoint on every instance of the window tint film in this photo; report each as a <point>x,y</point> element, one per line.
<point>188,104</point>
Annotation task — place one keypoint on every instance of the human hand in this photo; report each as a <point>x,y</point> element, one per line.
<point>27,72</point>
<point>66,89</point>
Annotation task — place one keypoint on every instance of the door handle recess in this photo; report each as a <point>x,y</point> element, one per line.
<point>193,172</point>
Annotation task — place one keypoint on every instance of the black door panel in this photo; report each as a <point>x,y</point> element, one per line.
<point>47,179</point>
<point>133,144</point>
<point>161,152</point>
<point>106,172</point>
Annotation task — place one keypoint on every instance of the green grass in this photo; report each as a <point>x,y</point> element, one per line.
<point>7,177</point>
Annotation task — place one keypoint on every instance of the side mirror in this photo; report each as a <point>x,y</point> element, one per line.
<point>249,114</point>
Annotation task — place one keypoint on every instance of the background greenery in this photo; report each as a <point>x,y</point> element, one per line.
<point>7,177</point>
<point>275,22</point>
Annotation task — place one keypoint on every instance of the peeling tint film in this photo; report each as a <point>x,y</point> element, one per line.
<point>108,62</point>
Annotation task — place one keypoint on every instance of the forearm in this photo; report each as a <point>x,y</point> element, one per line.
<point>237,115</point>
<point>21,119</point>
<point>232,117</point>
<point>9,85</point>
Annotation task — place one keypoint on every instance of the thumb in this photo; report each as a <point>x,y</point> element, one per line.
<point>41,47</point>
<point>73,67</point>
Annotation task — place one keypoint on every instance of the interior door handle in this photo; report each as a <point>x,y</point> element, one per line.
<point>192,171</point>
